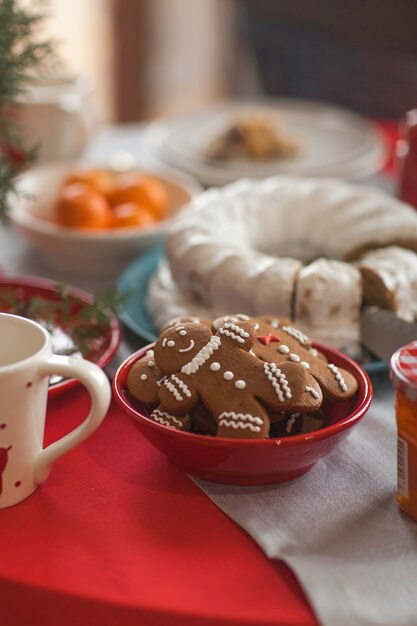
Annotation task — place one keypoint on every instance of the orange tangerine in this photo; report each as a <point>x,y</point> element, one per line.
<point>144,190</point>
<point>131,214</point>
<point>101,180</point>
<point>79,206</point>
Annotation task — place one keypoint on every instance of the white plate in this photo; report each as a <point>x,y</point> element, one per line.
<point>333,142</point>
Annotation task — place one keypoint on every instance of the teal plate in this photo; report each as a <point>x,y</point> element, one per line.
<point>135,315</point>
<point>134,282</point>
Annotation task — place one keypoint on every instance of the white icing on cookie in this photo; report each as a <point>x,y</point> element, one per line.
<point>202,356</point>
<point>294,357</point>
<point>291,422</point>
<point>215,366</point>
<point>230,419</point>
<point>169,385</point>
<point>228,375</point>
<point>274,323</point>
<point>313,392</point>
<point>165,418</point>
<point>335,370</point>
<point>234,332</point>
<point>151,363</point>
<point>190,347</point>
<point>305,364</point>
<point>240,384</point>
<point>171,343</point>
<point>278,380</point>
<point>144,377</point>
<point>181,384</point>
<point>283,349</point>
<point>149,353</point>
<point>297,334</point>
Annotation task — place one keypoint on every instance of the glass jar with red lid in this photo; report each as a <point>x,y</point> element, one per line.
<point>404,377</point>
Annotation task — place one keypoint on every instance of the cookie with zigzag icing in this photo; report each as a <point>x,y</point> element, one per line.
<point>278,340</point>
<point>220,372</point>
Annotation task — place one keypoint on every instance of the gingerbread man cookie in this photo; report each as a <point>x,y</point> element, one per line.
<point>218,370</point>
<point>278,340</point>
<point>144,379</point>
<point>312,399</point>
<point>143,382</point>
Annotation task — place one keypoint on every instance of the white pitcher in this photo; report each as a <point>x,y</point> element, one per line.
<point>54,112</point>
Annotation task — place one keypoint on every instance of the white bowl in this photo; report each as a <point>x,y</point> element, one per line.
<point>89,253</point>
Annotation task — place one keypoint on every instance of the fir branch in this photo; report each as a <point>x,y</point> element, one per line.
<point>21,54</point>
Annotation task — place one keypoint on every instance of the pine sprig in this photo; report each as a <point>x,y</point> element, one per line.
<point>21,54</point>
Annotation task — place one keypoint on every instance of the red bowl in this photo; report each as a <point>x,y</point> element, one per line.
<point>244,461</point>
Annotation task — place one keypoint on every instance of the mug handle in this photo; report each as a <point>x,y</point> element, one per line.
<point>97,385</point>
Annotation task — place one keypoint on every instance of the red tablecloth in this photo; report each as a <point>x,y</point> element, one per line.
<point>119,536</point>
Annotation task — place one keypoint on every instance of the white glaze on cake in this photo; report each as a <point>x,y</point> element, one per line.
<point>390,280</point>
<point>242,247</point>
<point>328,299</point>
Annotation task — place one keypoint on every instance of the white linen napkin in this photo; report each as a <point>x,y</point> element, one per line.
<point>339,528</point>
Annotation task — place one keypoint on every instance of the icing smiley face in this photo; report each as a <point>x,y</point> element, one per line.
<point>179,344</point>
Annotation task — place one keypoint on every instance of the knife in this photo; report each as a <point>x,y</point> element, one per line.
<point>382,332</point>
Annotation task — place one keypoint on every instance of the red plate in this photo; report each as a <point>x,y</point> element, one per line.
<point>27,287</point>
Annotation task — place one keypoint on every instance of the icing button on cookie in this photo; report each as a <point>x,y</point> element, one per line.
<point>228,375</point>
<point>215,366</point>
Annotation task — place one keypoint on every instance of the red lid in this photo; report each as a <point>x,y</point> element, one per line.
<point>403,368</point>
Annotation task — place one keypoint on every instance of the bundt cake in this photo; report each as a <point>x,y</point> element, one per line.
<point>390,280</point>
<point>289,246</point>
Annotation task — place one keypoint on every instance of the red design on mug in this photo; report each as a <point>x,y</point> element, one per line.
<point>4,452</point>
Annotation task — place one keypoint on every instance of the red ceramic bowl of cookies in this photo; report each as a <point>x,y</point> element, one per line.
<point>247,402</point>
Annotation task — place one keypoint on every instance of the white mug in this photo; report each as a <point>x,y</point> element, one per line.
<point>26,362</point>
<point>54,113</point>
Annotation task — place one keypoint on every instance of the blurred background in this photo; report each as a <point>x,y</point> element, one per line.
<point>153,58</point>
